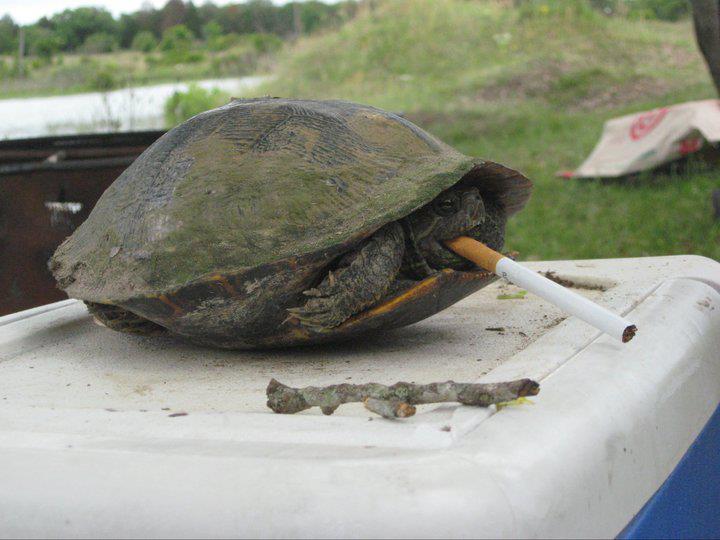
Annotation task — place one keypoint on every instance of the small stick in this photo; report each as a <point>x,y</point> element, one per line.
<point>389,409</point>
<point>396,401</point>
<point>574,304</point>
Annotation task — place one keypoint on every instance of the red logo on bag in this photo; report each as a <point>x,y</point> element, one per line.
<point>646,122</point>
<point>690,145</point>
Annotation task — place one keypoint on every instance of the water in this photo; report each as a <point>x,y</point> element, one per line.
<point>97,112</point>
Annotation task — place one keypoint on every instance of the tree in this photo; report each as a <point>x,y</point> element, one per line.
<point>173,14</point>
<point>212,30</point>
<point>144,41</point>
<point>265,43</point>
<point>8,35</point>
<point>42,42</point>
<point>177,45</point>
<point>128,28</point>
<point>264,16</point>
<point>177,38</point>
<point>99,42</point>
<point>73,26</point>
<point>91,29</point>
<point>149,19</point>
<point>315,15</point>
<point>235,18</point>
<point>193,20</point>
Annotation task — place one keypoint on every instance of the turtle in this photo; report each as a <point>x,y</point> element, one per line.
<point>273,222</point>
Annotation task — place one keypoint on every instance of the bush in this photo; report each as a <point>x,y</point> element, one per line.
<point>99,42</point>
<point>45,45</point>
<point>38,63</point>
<point>212,30</point>
<point>183,105</point>
<point>234,64</point>
<point>176,39</point>
<point>664,10</point>
<point>103,79</point>
<point>188,57</point>
<point>532,9</point>
<point>176,46</point>
<point>144,41</point>
<point>265,43</point>
<point>221,43</point>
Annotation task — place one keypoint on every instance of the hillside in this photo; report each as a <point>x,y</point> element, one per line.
<point>531,88</point>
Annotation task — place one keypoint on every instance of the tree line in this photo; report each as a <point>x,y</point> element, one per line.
<point>95,30</point>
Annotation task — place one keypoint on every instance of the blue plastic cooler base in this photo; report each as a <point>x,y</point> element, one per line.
<point>687,505</point>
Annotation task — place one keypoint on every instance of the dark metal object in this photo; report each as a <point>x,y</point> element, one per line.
<point>706,16</point>
<point>47,188</point>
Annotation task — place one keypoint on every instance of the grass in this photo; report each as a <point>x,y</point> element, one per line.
<point>73,73</point>
<point>657,214</point>
<point>185,104</point>
<point>530,90</point>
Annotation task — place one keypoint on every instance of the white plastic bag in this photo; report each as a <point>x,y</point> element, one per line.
<point>642,141</point>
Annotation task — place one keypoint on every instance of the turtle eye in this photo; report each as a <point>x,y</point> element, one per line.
<point>445,206</point>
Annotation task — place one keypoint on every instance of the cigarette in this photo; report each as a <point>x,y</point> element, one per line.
<point>565,299</point>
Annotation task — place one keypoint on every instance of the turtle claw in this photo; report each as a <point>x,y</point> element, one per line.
<point>318,314</point>
<point>326,289</point>
<point>316,293</point>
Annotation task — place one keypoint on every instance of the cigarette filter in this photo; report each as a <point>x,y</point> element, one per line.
<point>565,299</point>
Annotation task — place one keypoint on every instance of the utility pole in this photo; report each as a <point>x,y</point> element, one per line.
<point>21,50</point>
<point>297,20</point>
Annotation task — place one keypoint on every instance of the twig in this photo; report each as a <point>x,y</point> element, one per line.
<point>396,401</point>
<point>389,409</point>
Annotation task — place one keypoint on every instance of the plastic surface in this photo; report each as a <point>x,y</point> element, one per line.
<point>687,505</point>
<point>91,443</point>
<point>570,302</point>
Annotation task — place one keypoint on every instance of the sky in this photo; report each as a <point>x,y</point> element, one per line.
<point>29,11</point>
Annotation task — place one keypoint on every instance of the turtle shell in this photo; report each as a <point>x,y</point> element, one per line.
<point>258,193</point>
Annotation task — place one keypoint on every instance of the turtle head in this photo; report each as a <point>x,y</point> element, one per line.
<point>460,210</point>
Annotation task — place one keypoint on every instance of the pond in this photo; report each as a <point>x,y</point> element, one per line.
<point>127,109</point>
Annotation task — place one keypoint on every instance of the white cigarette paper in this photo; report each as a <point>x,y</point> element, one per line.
<point>565,299</point>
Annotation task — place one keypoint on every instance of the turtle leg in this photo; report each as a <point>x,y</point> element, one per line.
<point>122,320</point>
<point>369,272</point>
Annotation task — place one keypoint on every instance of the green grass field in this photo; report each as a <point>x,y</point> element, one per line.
<point>530,88</point>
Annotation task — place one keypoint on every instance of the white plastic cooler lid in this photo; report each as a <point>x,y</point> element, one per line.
<point>91,444</point>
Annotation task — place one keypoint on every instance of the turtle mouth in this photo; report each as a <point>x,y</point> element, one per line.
<point>425,256</point>
<point>483,256</point>
<point>454,261</point>
<point>478,234</point>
